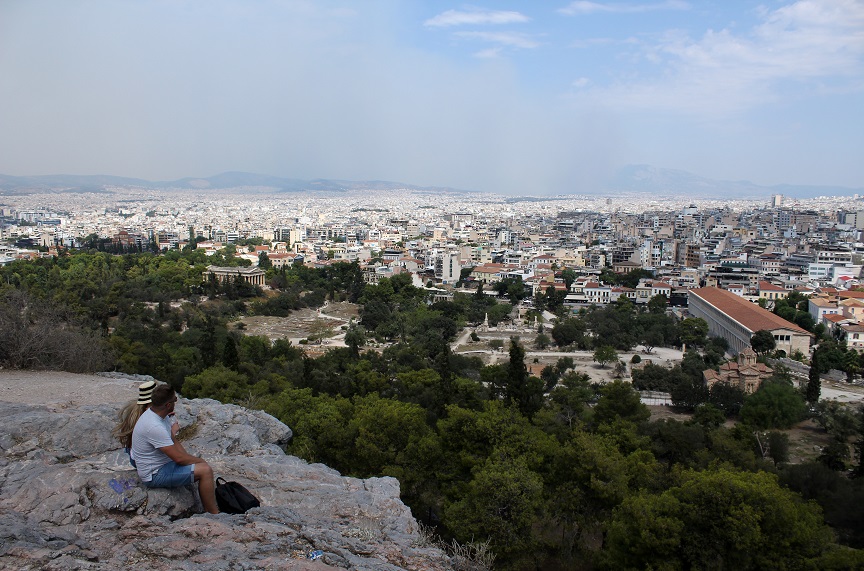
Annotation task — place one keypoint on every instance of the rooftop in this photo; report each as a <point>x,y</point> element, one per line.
<point>744,312</point>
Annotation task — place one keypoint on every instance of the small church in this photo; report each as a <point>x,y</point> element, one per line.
<point>745,373</point>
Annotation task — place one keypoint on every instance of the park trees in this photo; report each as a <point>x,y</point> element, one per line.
<point>717,519</point>
<point>653,377</point>
<point>614,324</point>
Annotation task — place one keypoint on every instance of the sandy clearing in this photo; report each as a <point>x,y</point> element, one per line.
<point>65,389</point>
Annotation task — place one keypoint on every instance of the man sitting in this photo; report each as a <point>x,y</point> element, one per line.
<point>162,462</point>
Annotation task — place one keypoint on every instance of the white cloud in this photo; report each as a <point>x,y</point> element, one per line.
<point>488,53</point>
<point>809,43</point>
<point>475,17</point>
<point>584,7</point>
<point>509,39</point>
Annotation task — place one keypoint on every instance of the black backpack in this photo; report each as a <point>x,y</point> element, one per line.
<point>234,498</point>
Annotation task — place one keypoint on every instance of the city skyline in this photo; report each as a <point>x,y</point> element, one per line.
<point>517,98</point>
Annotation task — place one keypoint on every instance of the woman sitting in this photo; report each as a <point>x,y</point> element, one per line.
<point>130,414</point>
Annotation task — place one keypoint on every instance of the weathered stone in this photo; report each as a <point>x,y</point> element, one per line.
<point>70,500</point>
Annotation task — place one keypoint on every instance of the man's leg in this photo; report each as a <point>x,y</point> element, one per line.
<point>206,487</point>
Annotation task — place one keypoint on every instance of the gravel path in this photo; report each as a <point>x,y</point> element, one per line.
<point>69,389</point>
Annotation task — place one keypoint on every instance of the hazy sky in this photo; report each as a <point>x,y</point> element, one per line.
<point>522,97</point>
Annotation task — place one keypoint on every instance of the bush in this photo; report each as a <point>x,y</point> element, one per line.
<point>636,359</point>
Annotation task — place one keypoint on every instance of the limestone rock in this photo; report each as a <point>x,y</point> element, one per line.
<point>70,500</point>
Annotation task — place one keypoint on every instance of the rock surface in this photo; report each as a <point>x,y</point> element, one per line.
<point>70,500</point>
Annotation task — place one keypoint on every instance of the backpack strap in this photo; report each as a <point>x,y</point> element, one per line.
<point>220,481</point>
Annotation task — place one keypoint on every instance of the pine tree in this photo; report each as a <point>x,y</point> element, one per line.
<point>858,472</point>
<point>814,384</point>
<point>521,389</point>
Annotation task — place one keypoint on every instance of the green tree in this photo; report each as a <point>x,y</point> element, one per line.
<point>774,405</point>
<point>708,416</point>
<point>763,342</point>
<point>571,396</point>
<point>615,325</point>
<point>217,382</point>
<point>387,433</point>
<point>835,455</point>
<point>588,477</point>
<point>650,339</point>
<point>778,447</point>
<point>542,341</point>
<point>500,503</point>
<point>230,357</point>
<point>524,391</point>
<point>569,276</point>
<point>264,261</point>
<point>658,304</point>
<point>355,338</point>
<point>814,379</point>
<point>726,397</point>
<point>689,393</point>
<point>693,331</point>
<point>618,400</point>
<point>568,331</point>
<point>605,354</point>
<point>719,519</point>
<point>858,471</point>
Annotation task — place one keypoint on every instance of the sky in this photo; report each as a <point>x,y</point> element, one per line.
<point>522,97</point>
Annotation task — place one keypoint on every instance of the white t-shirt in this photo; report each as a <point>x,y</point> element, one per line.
<point>151,433</point>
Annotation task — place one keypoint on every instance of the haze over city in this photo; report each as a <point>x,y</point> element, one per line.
<point>508,97</point>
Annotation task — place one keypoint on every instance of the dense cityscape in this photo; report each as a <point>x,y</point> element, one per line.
<point>805,243</point>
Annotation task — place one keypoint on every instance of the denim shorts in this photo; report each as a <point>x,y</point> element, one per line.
<point>172,475</point>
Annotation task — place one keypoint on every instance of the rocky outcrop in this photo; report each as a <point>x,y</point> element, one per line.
<point>70,500</point>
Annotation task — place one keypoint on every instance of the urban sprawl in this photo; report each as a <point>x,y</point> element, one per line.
<point>746,250</point>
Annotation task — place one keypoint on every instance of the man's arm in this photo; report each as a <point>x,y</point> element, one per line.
<point>179,455</point>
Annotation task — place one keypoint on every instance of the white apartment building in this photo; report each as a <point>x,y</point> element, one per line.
<point>447,267</point>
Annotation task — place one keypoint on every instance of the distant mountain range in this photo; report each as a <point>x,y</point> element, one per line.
<point>660,181</point>
<point>635,179</point>
<point>240,181</point>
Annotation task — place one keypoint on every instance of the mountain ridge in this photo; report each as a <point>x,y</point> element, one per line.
<point>636,178</point>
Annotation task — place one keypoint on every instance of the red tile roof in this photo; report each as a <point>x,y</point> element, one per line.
<point>744,312</point>
<point>768,286</point>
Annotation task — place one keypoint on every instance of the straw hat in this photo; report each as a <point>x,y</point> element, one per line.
<point>145,392</point>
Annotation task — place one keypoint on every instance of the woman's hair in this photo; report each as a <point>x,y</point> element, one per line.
<point>128,416</point>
